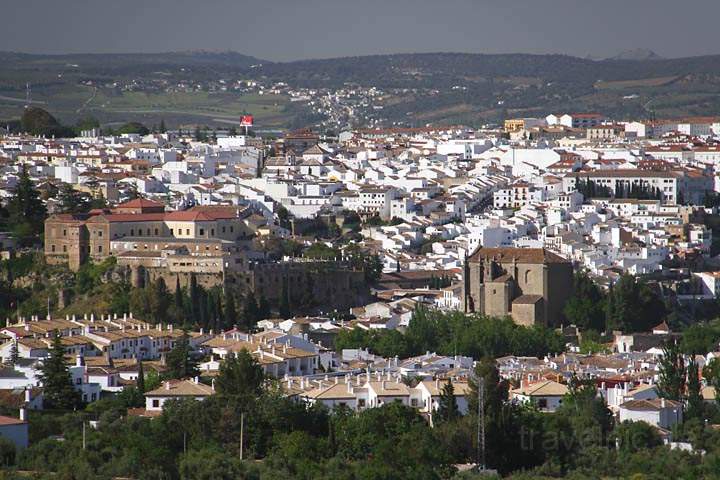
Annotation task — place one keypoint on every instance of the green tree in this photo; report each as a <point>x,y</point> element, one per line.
<point>133,128</point>
<point>25,209</point>
<point>14,354</point>
<point>284,309</point>
<point>711,372</point>
<point>163,128</point>
<point>179,301</point>
<point>694,398</point>
<point>447,404</point>
<point>7,452</point>
<point>140,383</point>
<point>241,375</point>
<point>180,362</point>
<point>58,389</point>
<point>72,201</point>
<point>632,437</point>
<point>230,315</point>
<point>633,306</point>
<point>586,307</point>
<point>37,121</point>
<point>671,381</point>
<point>251,312</point>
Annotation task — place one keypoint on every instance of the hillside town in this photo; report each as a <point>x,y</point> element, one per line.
<point>568,258</point>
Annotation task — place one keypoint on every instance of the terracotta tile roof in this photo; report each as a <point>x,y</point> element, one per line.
<point>649,405</point>
<point>10,421</point>
<point>523,255</point>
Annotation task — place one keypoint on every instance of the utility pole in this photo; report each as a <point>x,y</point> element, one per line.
<point>242,427</point>
<point>481,425</point>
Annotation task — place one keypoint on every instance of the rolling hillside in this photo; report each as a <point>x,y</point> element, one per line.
<point>419,88</point>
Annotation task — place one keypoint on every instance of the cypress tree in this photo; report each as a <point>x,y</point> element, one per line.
<point>140,378</point>
<point>694,398</point>
<point>179,303</point>
<point>230,313</point>
<point>284,310</point>
<point>447,404</point>
<point>194,300</point>
<point>14,354</point>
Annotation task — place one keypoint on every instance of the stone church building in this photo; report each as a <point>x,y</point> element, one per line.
<point>531,285</point>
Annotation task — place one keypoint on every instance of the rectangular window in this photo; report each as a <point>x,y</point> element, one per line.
<point>156,403</point>
<point>202,231</point>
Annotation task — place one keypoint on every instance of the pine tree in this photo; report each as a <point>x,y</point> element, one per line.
<point>140,383</point>
<point>58,389</point>
<point>163,129</point>
<point>25,209</point>
<point>71,201</point>
<point>447,404</point>
<point>240,374</point>
<point>180,363</point>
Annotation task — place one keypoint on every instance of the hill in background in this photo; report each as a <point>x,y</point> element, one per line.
<point>418,88</point>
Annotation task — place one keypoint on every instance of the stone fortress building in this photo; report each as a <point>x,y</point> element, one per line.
<point>531,285</point>
<point>210,243</point>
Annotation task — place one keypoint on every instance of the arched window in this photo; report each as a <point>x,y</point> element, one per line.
<point>527,276</point>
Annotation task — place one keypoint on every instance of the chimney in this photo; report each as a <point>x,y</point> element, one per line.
<point>92,317</point>
<point>437,383</point>
<point>167,385</point>
<point>212,384</point>
<point>28,398</point>
<point>23,414</point>
<point>383,384</point>
<point>662,403</point>
<point>195,380</point>
<point>349,387</point>
<point>130,315</point>
<point>79,360</point>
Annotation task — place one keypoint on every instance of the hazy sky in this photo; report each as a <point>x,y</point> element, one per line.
<point>295,29</point>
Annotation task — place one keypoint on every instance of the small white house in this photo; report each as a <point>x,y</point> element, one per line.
<point>546,395</point>
<point>177,390</point>
<point>658,412</point>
